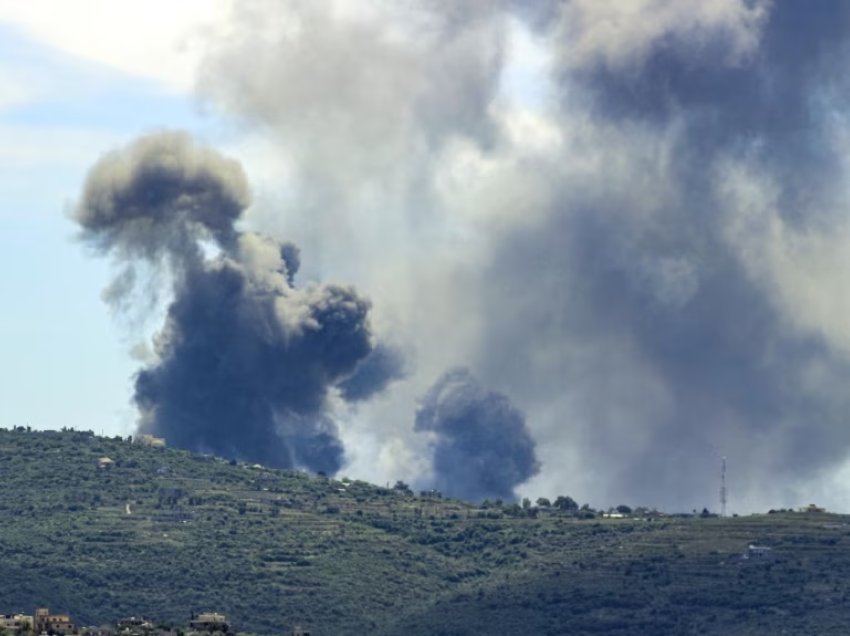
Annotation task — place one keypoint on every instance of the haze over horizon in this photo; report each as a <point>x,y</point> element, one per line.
<point>580,247</point>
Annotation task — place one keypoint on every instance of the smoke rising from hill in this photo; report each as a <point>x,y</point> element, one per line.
<point>656,254</point>
<point>645,245</point>
<point>682,288</point>
<point>245,361</point>
<point>483,448</point>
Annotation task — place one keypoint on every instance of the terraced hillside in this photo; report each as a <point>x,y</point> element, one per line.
<point>164,532</point>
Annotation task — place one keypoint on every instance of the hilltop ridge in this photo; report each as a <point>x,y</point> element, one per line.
<point>162,532</point>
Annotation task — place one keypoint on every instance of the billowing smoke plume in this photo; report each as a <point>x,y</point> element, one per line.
<point>245,361</point>
<point>648,254</point>
<point>681,277</point>
<point>483,448</point>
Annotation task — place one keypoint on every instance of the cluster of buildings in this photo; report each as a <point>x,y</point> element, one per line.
<point>44,623</point>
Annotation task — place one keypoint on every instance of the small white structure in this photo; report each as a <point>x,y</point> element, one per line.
<point>105,463</point>
<point>210,622</point>
<point>758,552</point>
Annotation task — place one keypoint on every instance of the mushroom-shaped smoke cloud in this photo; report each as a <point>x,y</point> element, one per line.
<point>245,361</point>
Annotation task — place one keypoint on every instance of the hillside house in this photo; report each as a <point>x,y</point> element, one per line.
<point>105,463</point>
<point>16,623</point>
<point>211,622</point>
<point>812,508</point>
<point>53,623</point>
<point>758,552</point>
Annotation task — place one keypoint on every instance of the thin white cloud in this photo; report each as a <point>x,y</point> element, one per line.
<point>155,39</point>
<point>14,89</point>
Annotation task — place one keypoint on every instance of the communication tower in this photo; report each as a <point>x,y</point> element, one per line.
<point>723,488</point>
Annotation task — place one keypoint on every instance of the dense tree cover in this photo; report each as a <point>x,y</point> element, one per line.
<point>164,532</point>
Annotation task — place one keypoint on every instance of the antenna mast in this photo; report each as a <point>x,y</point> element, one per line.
<point>723,489</point>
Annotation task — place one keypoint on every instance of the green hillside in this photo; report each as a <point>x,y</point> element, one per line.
<point>164,532</point>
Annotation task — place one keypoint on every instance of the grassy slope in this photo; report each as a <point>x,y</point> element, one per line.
<point>274,548</point>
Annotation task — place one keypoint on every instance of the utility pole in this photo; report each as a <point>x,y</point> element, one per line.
<point>723,489</point>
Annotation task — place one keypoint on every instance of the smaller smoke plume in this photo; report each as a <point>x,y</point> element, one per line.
<point>245,360</point>
<point>483,447</point>
<point>290,253</point>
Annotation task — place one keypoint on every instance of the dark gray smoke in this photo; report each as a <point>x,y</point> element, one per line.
<point>656,308</point>
<point>290,254</point>
<point>483,448</point>
<point>374,373</point>
<point>245,361</point>
<point>652,263</point>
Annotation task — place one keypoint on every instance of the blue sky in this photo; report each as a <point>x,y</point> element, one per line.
<point>64,358</point>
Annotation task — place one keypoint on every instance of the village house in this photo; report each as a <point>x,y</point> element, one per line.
<point>53,623</point>
<point>613,515</point>
<point>105,463</point>
<point>210,622</point>
<point>812,508</point>
<point>16,623</point>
